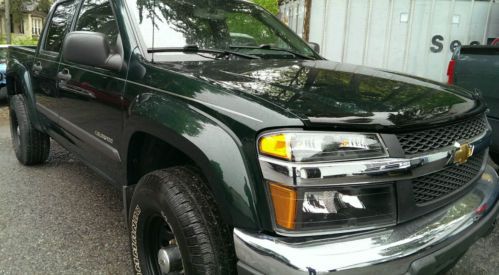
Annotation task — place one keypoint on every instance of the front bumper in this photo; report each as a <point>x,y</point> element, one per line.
<point>426,245</point>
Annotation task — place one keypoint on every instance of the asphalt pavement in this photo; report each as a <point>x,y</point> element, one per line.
<point>58,218</point>
<point>61,218</point>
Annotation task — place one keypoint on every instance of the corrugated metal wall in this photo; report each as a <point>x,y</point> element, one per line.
<point>410,36</point>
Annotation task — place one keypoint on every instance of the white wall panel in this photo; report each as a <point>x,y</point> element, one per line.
<point>378,32</point>
<point>493,30</point>
<point>316,21</point>
<point>356,32</point>
<point>395,52</point>
<point>436,63</point>
<point>335,24</point>
<point>415,61</point>
<point>371,32</point>
<point>479,15</point>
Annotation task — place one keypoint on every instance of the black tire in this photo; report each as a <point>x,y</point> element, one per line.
<point>3,93</point>
<point>178,198</point>
<point>30,145</point>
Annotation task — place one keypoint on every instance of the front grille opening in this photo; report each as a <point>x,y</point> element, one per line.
<point>442,183</point>
<point>427,140</point>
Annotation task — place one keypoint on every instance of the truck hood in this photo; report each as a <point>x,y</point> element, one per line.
<point>324,93</point>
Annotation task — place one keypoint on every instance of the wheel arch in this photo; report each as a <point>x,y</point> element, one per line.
<point>19,82</point>
<point>228,179</point>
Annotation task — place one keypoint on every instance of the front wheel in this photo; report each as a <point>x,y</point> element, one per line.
<point>175,227</point>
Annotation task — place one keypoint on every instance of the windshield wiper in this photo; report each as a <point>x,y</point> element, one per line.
<point>269,47</point>
<point>196,49</point>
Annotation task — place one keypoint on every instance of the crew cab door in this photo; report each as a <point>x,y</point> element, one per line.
<point>90,98</point>
<point>45,67</point>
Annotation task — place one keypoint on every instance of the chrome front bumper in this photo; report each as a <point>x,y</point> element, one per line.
<point>427,244</point>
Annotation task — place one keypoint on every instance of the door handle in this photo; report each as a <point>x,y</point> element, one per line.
<point>37,67</point>
<point>64,75</point>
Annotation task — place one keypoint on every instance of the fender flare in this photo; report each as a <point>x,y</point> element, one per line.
<point>221,160</point>
<point>21,75</point>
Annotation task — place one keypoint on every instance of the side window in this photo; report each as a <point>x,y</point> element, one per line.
<point>59,24</point>
<point>98,16</point>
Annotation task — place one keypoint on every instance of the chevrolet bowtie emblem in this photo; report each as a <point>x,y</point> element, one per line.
<point>463,152</point>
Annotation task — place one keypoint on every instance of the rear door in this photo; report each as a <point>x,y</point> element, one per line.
<point>90,98</point>
<point>45,67</point>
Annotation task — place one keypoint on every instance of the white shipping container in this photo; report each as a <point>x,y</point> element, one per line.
<point>410,36</point>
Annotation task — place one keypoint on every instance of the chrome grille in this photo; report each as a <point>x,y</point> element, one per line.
<point>439,184</point>
<point>422,141</point>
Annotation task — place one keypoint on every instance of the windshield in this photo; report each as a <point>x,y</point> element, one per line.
<point>221,25</point>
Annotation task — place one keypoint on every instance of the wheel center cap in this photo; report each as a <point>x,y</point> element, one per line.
<point>169,259</point>
<point>163,261</point>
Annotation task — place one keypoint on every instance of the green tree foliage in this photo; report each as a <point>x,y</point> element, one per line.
<point>44,5</point>
<point>271,5</point>
<point>20,40</point>
<point>249,25</point>
<point>16,9</point>
<point>200,26</point>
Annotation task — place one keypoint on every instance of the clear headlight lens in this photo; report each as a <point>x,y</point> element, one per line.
<point>311,210</point>
<point>318,146</point>
<point>338,208</point>
<point>346,208</point>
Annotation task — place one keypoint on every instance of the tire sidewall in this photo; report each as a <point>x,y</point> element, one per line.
<point>150,200</point>
<point>18,119</point>
<point>31,146</point>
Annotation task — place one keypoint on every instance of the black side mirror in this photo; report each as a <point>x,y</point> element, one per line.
<point>314,47</point>
<point>91,49</point>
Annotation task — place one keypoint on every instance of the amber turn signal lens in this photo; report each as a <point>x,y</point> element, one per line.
<point>275,145</point>
<point>284,200</point>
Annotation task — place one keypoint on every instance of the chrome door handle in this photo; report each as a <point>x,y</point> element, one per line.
<point>64,75</point>
<point>37,67</point>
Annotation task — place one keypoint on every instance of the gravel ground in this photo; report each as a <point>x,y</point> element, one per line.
<point>61,217</point>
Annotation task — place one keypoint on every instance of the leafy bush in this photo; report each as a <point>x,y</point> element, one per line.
<point>20,40</point>
<point>271,5</point>
<point>24,41</point>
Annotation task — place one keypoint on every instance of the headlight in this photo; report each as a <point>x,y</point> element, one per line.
<point>317,208</point>
<point>339,208</point>
<point>319,147</point>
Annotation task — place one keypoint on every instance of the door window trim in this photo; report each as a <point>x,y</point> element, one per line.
<point>101,71</point>
<point>43,41</point>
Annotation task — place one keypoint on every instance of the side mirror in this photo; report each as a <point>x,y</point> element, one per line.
<point>91,49</point>
<point>314,47</point>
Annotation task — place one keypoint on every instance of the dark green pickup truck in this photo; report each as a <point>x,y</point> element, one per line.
<point>240,149</point>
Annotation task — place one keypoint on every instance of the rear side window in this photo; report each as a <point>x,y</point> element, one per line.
<point>59,24</point>
<point>98,16</point>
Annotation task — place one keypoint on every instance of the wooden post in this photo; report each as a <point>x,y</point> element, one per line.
<point>306,20</point>
<point>7,22</point>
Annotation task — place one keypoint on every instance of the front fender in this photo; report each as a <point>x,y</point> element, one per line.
<point>211,145</point>
<point>18,74</point>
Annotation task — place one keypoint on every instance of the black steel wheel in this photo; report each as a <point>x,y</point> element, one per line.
<point>162,251</point>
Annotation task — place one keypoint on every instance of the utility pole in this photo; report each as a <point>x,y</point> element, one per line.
<point>306,20</point>
<point>7,22</point>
